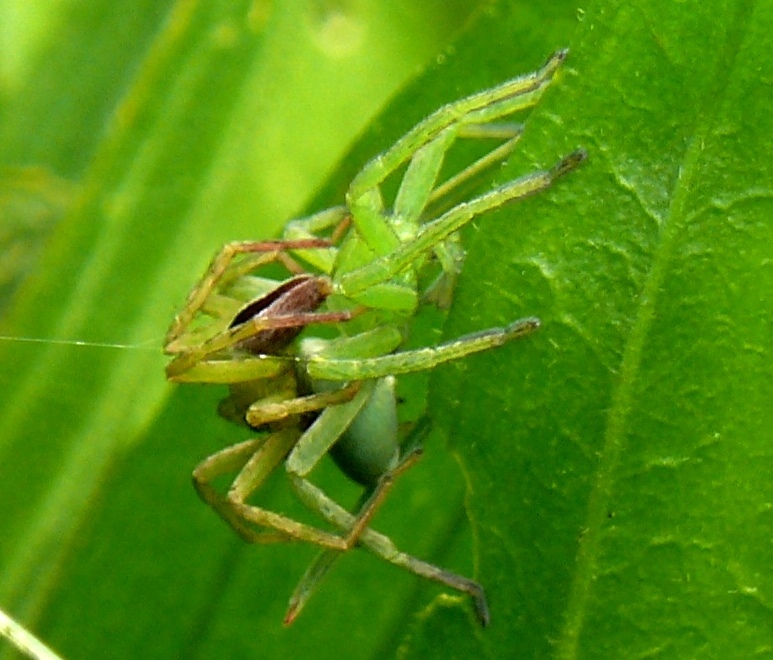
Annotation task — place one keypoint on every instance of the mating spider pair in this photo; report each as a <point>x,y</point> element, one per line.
<point>364,268</point>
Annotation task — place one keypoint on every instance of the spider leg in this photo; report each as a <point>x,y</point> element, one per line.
<point>254,460</point>
<point>329,221</point>
<point>225,461</point>
<point>450,253</point>
<point>366,508</point>
<point>379,494</point>
<point>383,547</point>
<point>325,367</point>
<point>484,107</point>
<point>424,147</point>
<point>222,271</point>
<point>328,429</point>
<point>229,371</point>
<point>509,132</point>
<point>386,267</point>
<point>191,359</point>
<point>325,560</point>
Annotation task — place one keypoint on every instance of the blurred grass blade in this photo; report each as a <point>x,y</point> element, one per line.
<point>24,640</point>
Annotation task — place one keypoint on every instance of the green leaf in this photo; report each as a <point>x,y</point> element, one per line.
<point>615,461</point>
<point>619,461</point>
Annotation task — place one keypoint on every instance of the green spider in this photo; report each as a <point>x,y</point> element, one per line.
<point>366,269</point>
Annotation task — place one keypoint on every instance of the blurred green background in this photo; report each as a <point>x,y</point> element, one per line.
<point>607,480</point>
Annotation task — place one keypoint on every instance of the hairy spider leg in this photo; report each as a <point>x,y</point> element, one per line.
<point>501,131</point>
<point>337,220</point>
<point>449,253</point>
<point>483,107</point>
<point>399,240</point>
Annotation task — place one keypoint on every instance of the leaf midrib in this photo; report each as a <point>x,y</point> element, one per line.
<point>675,220</point>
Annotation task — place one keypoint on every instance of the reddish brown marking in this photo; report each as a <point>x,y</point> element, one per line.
<point>292,301</point>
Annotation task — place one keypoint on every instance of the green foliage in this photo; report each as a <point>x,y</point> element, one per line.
<point>620,487</point>
<point>616,462</point>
